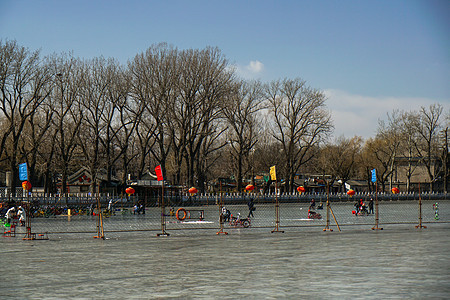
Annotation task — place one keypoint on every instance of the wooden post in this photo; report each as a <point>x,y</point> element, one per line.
<point>277,211</point>
<point>376,208</point>
<point>420,211</point>
<point>163,214</point>
<point>28,235</point>
<point>100,231</point>
<point>327,226</point>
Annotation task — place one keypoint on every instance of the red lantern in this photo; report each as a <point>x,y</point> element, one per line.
<point>193,190</point>
<point>395,190</point>
<point>301,189</point>
<point>351,192</point>
<point>26,185</point>
<point>250,187</point>
<point>130,191</point>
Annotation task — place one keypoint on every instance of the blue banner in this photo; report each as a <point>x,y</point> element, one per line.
<point>23,172</point>
<point>374,175</point>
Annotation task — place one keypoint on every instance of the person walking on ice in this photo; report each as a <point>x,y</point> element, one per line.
<point>251,207</point>
<point>22,216</point>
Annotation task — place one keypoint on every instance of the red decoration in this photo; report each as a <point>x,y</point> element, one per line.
<point>130,191</point>
<point>193,190</point>
<point>250,187</point>
<point>301,189</point>
<point>159,174</point>
<point>26,185</point>
<point>395,190</point>
<point>351,192</point>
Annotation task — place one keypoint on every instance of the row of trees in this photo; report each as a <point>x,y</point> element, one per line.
<point>414,143</point>
<point>185,110</point>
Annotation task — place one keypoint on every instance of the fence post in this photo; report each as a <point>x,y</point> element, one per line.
<point>376,208</point>
<point>163,214</point>
<point>420,211</point>
<point>277,211</point>
<point>327,227</point>
<point>100,232</point>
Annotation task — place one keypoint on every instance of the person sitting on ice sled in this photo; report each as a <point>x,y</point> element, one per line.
<point>226,214</point>
<point>320,205</point>
<point>363,209</point>
<point>312,205</point>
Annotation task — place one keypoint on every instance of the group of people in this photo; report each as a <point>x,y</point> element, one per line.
<point>226,214</point>
<point>312,205</point>
<point>361,208</point>
<point>139,208</point>
<point>15,213</point>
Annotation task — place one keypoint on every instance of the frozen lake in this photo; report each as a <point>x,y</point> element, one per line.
<point>398,262</point>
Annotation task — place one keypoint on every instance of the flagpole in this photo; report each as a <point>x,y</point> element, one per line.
<point>376,208</point>
<point>277,205</point>
<point>160,176</point>
<point>420,211</point>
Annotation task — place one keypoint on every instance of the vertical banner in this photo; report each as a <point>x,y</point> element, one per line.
<point>374,175</point>
<point>23,172</point>
<point>273,173</point>
<point>159,174</point>
<point>160,177</point>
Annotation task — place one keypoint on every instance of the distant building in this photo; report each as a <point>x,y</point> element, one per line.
<point>81,182</point>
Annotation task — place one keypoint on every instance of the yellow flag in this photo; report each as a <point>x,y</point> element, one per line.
<point>273,173</point>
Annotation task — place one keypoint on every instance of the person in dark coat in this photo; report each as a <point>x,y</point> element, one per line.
<point>312,205</point>
<point>371,206</point>
<point>251,207</point>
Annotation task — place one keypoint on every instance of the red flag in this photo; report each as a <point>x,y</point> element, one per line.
<point>159,174</point>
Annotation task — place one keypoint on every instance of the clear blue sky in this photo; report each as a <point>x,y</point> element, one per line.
<point>369,57</point>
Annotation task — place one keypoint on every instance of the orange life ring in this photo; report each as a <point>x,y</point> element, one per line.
<point>184,214</point>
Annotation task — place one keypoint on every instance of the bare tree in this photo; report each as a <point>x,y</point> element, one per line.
<point>338,160</point>
<point>117,94</point>
<point>154,88</point>
<point>67,112</point>
<point>207,155</point>
<point>98,78</point>
<point>37,140</point>
<point>445,157</point>
<point>203,81</point>
<point>378,152</point>
<point>46,157</point>
<point>240,110</point>
<point>24,87</point>
<point>391,135</point>
<point>301,121</point>
<point>124,129</point>
<point>428,129</point>
<point>409,141</point>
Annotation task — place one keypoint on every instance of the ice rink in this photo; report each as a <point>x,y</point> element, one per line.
<point>399,262</point>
